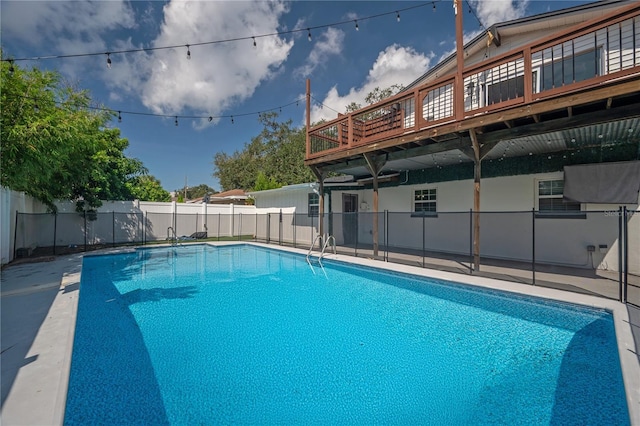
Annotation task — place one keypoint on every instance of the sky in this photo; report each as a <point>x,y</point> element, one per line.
<point>227,75</point>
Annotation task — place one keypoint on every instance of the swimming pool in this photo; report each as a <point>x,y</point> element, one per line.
<point>243,334</point>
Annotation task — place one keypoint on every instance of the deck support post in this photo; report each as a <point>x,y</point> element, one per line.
<point>375,164</point>
<point>320,175</point>
<point>477,161</point>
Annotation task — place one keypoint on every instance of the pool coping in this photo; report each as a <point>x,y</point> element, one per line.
<point>38,394</point>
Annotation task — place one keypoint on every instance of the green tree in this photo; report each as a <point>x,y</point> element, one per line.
<point>277,152</point>
<point>263,183</point>
<point>54,146</point>
<point>196,191</point>
<point>376,95</point>
<point>148,188</point>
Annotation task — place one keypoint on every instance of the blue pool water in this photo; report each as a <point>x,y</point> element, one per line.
<point>246,335</point>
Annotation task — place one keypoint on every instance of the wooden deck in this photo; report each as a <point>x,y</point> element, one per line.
<point>504,97</point>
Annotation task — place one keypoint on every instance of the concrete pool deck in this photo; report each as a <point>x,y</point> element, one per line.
<point>38,312</point>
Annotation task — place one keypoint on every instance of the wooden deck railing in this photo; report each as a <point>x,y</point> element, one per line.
<point>585,55</point>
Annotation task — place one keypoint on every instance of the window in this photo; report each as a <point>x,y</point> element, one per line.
<point>313,208</point>
<point>424,201</point>
<point>566,70</point>
<point>550,199</point>
<point>504,90</point>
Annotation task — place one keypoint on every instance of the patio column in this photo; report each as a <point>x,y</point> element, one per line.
<point>477,161</point>
<point>320,175</point>
<point>375,164</point>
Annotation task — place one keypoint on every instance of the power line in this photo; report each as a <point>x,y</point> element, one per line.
<point>174,116</point>
<point>253,38</point>
<point>473,12</point>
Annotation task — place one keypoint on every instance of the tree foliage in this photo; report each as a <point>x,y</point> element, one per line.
<point>277,152</point>
<point>148,188</point>
<point>54,146</point>
<point>376,95</point>
<point>264,183</point>
<point>196,191</point>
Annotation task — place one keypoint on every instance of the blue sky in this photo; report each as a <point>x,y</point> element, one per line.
<point>235,78</point>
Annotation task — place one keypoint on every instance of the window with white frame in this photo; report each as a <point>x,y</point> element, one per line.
<point>550,198</point>
<point>313,206</point>
<point>424,201</point>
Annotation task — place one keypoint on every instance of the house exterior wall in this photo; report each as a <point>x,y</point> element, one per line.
<point>505,223</point>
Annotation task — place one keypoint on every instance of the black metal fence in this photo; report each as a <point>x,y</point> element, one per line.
<point>594,252</point>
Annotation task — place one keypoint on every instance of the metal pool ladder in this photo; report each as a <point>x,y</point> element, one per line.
<point>174,238</point>
<point>327,240</point>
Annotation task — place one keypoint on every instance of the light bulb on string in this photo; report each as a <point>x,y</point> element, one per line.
<point>210,119</point>
<point>309,34</point>
<point>188,52</point>
<point>232,120</point>
<point>176,121</point>
<point>357,27</point>
<point>119,117</point>
<point>398,16</point>
<point>434,6</point>
<point>11,68</point>
<point>254,42</point>
<point>109,60</point>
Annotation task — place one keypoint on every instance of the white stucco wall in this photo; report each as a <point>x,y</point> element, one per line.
<point>503,235</point>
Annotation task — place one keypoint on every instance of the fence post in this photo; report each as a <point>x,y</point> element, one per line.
<point>423,242</point>
<point>240,226</point>
<point>294,229</point>
<point>55,229</point>
<point>280,228</point>
<point>620,264</point>
<point>145,215</point>
<point>113,228</point>
<point>533,244</point>
<point>471,241</point>
<point>85,230</point>
<point>255,236</point>
<point>386,235</point>
<point>15,236</point>
<point>196,226</point>
<point>625,230</point>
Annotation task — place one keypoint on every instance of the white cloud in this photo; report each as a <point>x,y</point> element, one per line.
<point>491,12</point>
<point>218,75</point>
<point>394,65</point>
<point>329,43</point>
<point>76,27</point>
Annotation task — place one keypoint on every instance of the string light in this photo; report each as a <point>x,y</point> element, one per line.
<point>11,68</point>
<point>176,121</point>
<point>232,119</point>
<point>278,33</point>
<point>254,42</point>
<point>357,27</point>
<point>176,117</point>
<point>119,117</point>
<point>109,60</point>
<point>188,52</point>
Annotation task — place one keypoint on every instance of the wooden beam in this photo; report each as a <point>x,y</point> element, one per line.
<point>477,161</point>
<point>375,165</point>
